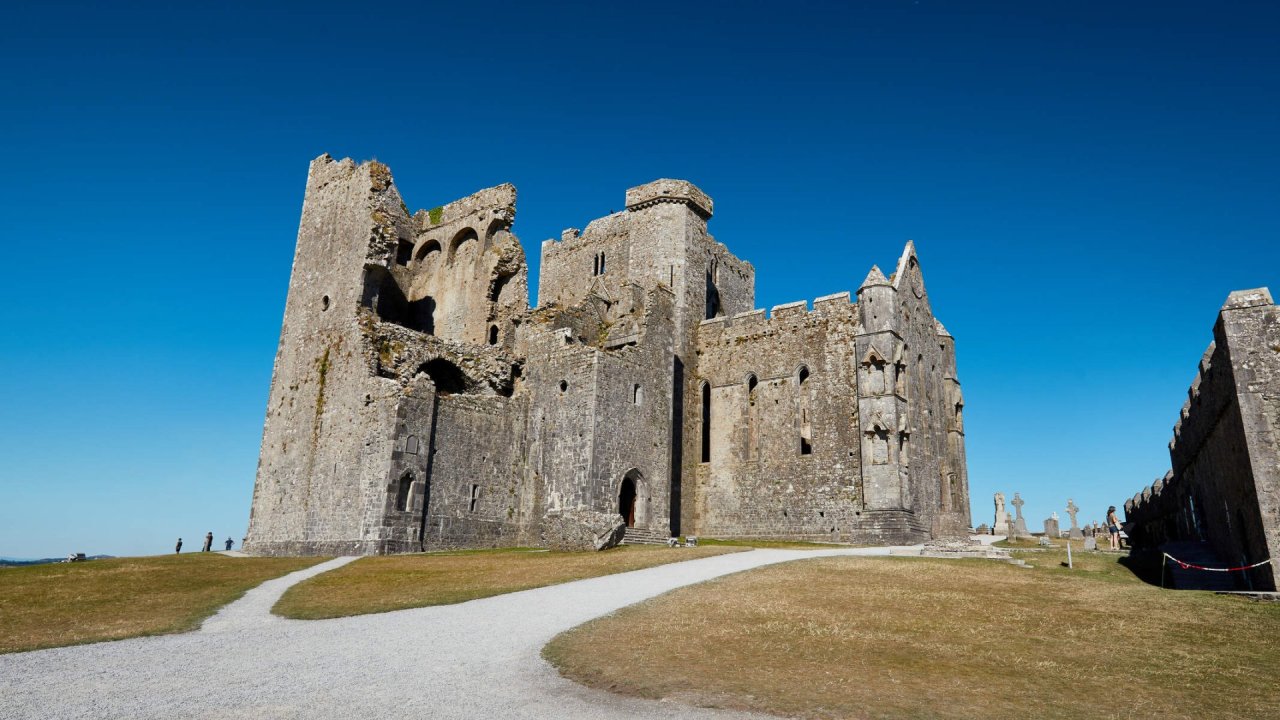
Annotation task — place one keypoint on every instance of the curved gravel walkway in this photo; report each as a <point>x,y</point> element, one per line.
<point>479,659</point>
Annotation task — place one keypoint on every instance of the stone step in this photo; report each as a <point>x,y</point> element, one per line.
<point>643,536</point>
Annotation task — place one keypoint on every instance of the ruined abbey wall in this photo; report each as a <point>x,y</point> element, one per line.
<point>1224,485</point>
<point>419,403</point>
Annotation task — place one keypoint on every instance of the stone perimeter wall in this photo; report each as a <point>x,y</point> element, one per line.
<point>1224,485</point>
<point>418,403</point>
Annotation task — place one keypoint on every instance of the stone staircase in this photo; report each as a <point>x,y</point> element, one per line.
<point>1196,553</point>
<point>642,536</point>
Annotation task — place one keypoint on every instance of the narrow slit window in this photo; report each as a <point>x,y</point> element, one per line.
<point>475,497</point>
<point>706,422</point>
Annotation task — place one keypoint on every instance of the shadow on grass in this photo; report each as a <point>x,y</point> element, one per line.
<point>1144,564</point>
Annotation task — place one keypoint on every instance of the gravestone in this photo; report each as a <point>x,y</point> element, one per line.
<point>1045,541</point>
<point>1019,529</point>
<point>1072,509</point>
<point>1090,543</point>
<point>1051,527</point>
<point>1001,526</point>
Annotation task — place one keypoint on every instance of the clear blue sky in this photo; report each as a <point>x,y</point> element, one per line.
<point>1085,182</point>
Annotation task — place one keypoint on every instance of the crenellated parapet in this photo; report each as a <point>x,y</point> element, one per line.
<point>1223,487</point>
<point>777,319</point>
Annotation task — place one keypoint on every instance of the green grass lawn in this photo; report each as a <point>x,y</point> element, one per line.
<point>931,638</point>
<point>396,582</point>
<point>71,603</point>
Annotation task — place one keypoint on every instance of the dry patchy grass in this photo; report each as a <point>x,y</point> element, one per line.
<point>71,603</point>
<point>923,638</point>
<point>382,584</point>
<point>771,544</point>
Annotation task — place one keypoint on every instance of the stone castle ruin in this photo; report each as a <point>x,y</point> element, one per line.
<point>418,402</point>
<point>1224,486</point>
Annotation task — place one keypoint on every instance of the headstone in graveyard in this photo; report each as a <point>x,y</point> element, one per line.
<point>1072,509</point>
<point>1001,526</point>
<point>1019,529</point>
<point>1090,543</point>
<point>1051,529</point>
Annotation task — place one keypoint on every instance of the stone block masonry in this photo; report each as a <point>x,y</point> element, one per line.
<point>418,402</point>
<point>1224,485</point>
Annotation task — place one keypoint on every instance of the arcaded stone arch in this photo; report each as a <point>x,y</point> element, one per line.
<point>496,226</point>
<point>428,253</point>
<point>460,240</point>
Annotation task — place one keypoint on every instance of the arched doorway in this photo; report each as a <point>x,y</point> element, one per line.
<point>627,499</point>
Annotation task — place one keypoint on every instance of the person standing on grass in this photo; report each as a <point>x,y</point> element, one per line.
<point>178,548</point>
<point>229,543</point>
<point>1113,527</point>
<point>208,542</point>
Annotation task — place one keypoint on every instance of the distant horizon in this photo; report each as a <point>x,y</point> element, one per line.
<point>1084,184</point>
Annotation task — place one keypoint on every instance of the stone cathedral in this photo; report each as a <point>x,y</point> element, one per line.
<point>418,402</point>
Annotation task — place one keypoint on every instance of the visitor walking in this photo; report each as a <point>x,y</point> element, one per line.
<point>208,542</point>
<point>1113,527</point>
<point>178,548</point>
<point>229,543</point>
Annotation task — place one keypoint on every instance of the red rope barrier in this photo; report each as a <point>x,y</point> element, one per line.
<point>1189,566</point>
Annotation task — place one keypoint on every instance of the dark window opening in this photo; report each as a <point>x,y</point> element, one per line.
<point>404,252</point>
<point>752,382</point>
<point>403,491</point>
<point>448,379</point>
<point>324,303</point>
<point>713,299</point>
<point>493,334</point>
<point>706,422</point>
<point>564,385</point>
<point>637,395</point>
<point>602,270</point>
<point>805,447</point>
<point>383,295</point>
<point>804,374</point>
<point>595,265</point>
<point>475,497</point>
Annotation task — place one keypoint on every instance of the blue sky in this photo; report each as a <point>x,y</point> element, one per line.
<point>1085,183</point>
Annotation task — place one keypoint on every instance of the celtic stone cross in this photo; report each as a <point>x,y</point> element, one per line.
<point>1072,510</point>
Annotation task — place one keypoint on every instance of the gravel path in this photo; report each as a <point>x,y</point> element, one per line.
<point>479,659</point>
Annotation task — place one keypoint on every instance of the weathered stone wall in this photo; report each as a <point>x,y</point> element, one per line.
<point>759,480</point>
<point>328,436</point>
<point>418,403</point>
<point>1224,486</point>
<point>852,430</point>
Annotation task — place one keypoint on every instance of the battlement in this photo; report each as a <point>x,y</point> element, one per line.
<point>669,191</point>
<point>758,321</point>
